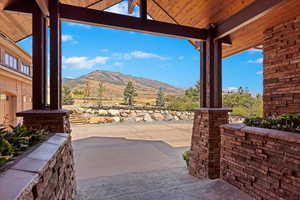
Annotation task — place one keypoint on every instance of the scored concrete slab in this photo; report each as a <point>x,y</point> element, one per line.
<point>141,161</point>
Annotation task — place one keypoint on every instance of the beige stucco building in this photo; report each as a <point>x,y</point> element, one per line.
<point>15,80</point>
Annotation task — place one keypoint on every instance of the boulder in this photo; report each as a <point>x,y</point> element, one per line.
<point>169,117</point>
<point>113,112</point>
<point>97,120</point>
<point>158,117</point>
<point>102,112</point>
<point>138,119</point>
<point>123,114</point>
<point>147,118</point>
<point>116,119</point>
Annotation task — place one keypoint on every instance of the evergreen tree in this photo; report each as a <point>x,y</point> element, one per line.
<point>160,99</point>
<point>67,96</point>
<point>101,90</point>
<point>129,93</point>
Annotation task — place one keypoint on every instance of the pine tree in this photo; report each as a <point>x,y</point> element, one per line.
<point>129,94</point>
<point>160,99</point>
<point>67,96</point>
<point>101,90</point>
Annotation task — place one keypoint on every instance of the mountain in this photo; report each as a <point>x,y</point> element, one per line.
<point>115,82</point>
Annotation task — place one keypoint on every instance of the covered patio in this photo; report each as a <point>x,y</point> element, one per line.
<point>241,156</point>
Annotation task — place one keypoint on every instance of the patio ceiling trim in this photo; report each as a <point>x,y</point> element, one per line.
<point>247,15</point>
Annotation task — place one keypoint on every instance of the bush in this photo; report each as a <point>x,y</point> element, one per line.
<point>285,122</point>
<point>17,140</point>
<point>186,156</point>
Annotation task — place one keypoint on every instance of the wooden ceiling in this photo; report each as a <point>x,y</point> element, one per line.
<point>196,13</point>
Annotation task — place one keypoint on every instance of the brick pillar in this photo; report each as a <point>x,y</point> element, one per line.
<point>281,68</point>
<point>55,121</point>
<point>206,140</point>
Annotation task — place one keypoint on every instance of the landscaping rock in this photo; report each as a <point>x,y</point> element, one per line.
<point>113,112</point>
<point>116,119</point>
<point>169,117</point>
<point>102,112</point>
<point>158,116</point>
<point>147,118</point>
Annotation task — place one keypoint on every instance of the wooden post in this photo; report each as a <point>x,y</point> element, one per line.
<point>38,56</point>
<point>217,101</point>
<point>203,75</point>
<point>55,55</point>
<point>213,72</point>
<point>143,9</point>
<point>45,85</point>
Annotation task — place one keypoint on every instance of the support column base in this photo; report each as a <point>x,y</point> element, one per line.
<point>206,140</point>
<point>55,121</point>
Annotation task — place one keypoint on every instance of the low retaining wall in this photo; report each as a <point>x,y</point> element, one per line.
<point>264,163</point>
<point>97,116</point>
<point>45,173</point>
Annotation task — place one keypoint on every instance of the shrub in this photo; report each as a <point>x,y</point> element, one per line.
<point>285,122</point>
<point>186,156</point>
<point>15,141</point>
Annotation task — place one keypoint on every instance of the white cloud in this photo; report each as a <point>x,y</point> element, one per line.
<point>259,72</point>
<point>104,50</point>
<point>122,8</point>
<point>66,38</point>
<point>83,62</point>
<point>138,55</point>
<point>180,57</point>
<point>256,61</point>
<point>118,64</point>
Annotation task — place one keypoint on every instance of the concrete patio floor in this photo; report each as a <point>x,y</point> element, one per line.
<point>140,161</point>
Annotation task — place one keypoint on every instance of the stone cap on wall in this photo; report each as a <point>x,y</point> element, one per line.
<point>25,172</point>
<point>211,109</point>
<point>272,133</point>
<point>43,112</point>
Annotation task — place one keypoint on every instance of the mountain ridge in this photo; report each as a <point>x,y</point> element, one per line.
<point>115,82</point>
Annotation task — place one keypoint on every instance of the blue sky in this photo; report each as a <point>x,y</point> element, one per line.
<point>174,61</point>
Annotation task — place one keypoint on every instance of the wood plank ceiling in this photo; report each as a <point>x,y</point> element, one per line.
<point>196,13</point>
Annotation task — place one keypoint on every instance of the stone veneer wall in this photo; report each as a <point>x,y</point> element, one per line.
<point>46,173</point>
<point>281,68</point>
<point>206,139</point>
<point>264,163</point>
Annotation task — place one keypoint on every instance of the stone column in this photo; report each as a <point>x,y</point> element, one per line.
<point>55,121</point>
<point>206,141</point>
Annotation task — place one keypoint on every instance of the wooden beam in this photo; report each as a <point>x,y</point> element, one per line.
<point>247,15</point>
<point>55,55</point>
<point>38,52</point>
<point>111,20</point>
<point>143,9</point>
<point>44,6</point>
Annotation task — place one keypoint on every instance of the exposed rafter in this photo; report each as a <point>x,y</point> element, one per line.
<point>247,15</point>
<point>44,6</point>
<point>131,5</point>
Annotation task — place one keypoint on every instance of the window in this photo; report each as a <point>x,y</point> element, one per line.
<point>11,61</point>
<point>3,97</point>
<point>25,69</point>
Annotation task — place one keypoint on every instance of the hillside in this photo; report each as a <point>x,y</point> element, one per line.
<point>115,82</point>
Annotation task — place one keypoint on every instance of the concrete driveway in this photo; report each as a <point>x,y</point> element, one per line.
<point>140,161</point>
